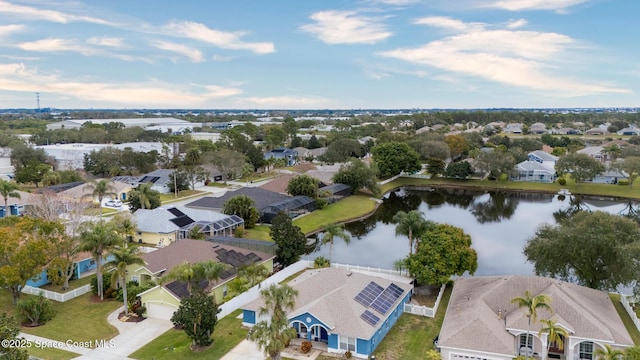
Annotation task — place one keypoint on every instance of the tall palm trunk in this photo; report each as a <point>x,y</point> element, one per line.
<point>526,354</point>
<point>410,242</point>
<point>99,277</point>
<point>124,295</point>
<point>330,249</point>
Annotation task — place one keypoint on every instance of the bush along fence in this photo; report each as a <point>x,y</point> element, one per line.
<point>60,297</point>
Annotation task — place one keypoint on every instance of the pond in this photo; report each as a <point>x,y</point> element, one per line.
<point>499,224</point>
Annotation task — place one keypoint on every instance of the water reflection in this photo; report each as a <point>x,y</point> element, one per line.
<point>499,224</point>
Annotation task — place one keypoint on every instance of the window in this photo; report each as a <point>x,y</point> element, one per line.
<point>523,340</point>
<point>225,291</point>
<point>348,343</point>
<point>586,350</point>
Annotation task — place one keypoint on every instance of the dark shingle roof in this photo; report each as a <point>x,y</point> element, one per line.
<point>263,198</point>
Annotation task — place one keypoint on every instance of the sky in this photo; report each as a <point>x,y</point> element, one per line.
<point>329,54</point>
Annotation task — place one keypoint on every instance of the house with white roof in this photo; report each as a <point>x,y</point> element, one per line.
<point>539,167</point>
<point>344,309</point>
<point>163,226</point>
<point>481,323</point>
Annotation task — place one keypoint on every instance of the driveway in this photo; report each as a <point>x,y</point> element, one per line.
<point>246,350</point>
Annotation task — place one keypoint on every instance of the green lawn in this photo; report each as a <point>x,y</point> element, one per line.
<point>174,344</point>
<point>350,208</point>
<point>582,188</point>
<point>412,336</point>
<point>259,232</point>
<point>73,284</point>
<point>79,320</point>
<point>628,323</point>
<point>165,198</point>
<point>51,353</point>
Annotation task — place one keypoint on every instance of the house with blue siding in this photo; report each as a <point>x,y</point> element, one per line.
<point>84,266</point>
<point>345,310</point>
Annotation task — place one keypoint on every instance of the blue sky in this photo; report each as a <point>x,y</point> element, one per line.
<point>329,54</point>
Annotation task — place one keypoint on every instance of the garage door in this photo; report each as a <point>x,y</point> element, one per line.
<point>465,357</point>
<point>160,311</point>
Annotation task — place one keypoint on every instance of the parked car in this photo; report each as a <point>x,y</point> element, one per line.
<point>113,203</point>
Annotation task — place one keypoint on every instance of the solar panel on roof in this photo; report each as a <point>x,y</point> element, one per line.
<point>176,212</point>
<point>386,299</point>
<point>368,294</point>
<point>370,318</point>
<point>182,221</point>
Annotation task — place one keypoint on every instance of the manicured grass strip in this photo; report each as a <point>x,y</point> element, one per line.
<point>164,198</point>
<point>628,323</point>
<point>412,336</point>
<point>349,208</point>
<point>174,344</point>
<point>51,353</point>
<point>78,320</point>
<point>259,232</point>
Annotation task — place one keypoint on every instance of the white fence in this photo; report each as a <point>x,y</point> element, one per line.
<point>424,310</point>
<point>254,293</point>
<point>368,269</point>
<point>52,295</point>
<point>632,313</point>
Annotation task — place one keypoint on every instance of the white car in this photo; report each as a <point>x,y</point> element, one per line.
<point>113,203</point>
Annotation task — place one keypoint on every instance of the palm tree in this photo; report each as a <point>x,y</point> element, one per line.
<point>555,334</point>
<point>332,231</point>
<point>100,190</point>
<point>410,224</point>
<point>7,190</point>
<point>144,195</point>
<point>531,304</point>
<point>254,273</point>
<point>98,239</point>
<point>274,335</point>
<point>608,353</point>
<point>122,257</point>
<point>194,273</point>
<point>125,225</point>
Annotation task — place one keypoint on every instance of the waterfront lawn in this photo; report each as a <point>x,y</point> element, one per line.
<point>79,319</point>
<point>174,344</point>
<point>346,209</point>
<point>581,188</point>
<point>626,319</point>
<point>51,353</point>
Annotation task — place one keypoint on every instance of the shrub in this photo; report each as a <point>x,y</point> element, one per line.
<point>321,203</point>
<point>347,354</point>
<point>623,182</point>
<point>503,177</point>
<point>239,232</point>
<point>321,262</point>
<point>305,347</point>
<point>36,309</point>
<point>110,293</point>
<point>562,181</point>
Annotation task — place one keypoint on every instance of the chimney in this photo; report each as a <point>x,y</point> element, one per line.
<point>500,314</point>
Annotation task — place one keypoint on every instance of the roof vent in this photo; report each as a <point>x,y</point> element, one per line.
<point>216,246</point>
<point>349,273</point>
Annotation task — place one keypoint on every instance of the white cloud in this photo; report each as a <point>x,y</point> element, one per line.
<point>346,27</point>
<point>516,24</point>
<point>56,45</point>
<point>9,29</point>
<point>18,77</point>
<point>448,23</point>
<point>396,2</point>
<point>194,54</point>
<point>525,59</point>
<point>519,5</point>
<point>32,13</point>
<point>221,58</point>
<point>284,102</point>
<point>106,41</point>
<point>221,39</point>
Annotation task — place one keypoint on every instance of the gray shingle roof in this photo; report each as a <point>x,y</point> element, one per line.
<point>529,165</point>
<point>262,198</point>
<point>158,220</point>
<point>472,322</point>
<point>328,294</point>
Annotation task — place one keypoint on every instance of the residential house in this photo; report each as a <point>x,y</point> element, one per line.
<point>290,156</point>
<point>531,170</point>
<point>163,226</point>
<point>629,131</point>
<point>610,176</point>
<point>159,179</point>
<point>79,193</point>
<point>481,322</point>
<point>543,158</point>
<point>567,131</point>
<point>595,152</point>
<point>596,131</point>
<point>538,128</point>
<point>304,153</point>
<point>344,309</point>
<point>163,300</point>
<point>513,128</point>
<point>84,266</point>
<point>265,200</point>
